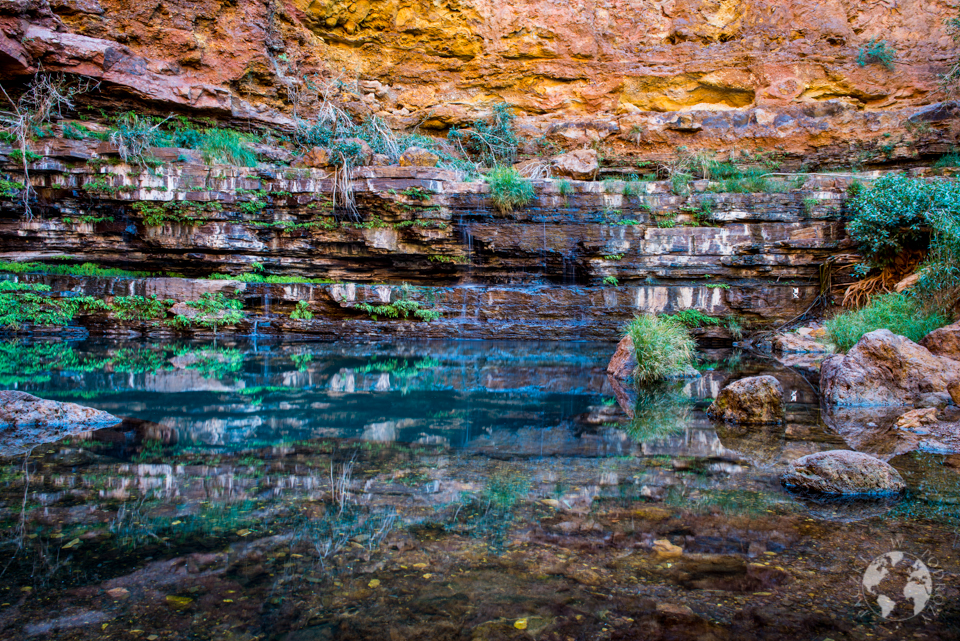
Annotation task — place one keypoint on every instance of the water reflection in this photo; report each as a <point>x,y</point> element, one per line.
<point>432,490</point>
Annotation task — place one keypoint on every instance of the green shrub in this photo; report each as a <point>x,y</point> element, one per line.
<point>140,308</point>
<point>22,303</point>
<point>877,51</point>
<point>86,269</point>
<point>663,347</point>
<point>508,189</point>
<point>10,188</point>
<point>302,311</point>
<point>900,313</point>
<point>948,160</point>
<point>611,280</point>
<point>490,143</point>
<point>898,213</point>
<point>213,311</point>
<point>694,318</point>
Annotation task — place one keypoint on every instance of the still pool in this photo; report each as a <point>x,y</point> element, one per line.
<point>445,490</point>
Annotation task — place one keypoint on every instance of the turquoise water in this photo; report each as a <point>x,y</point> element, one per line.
<point>448,490</point>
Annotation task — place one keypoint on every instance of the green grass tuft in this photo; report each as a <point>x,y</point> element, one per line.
<point>663,347</point>
<point>508,189</point>
<point>900,313</point>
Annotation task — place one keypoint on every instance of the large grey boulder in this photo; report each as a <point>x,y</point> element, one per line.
<point>757,400</point>
<point>26,421</point>
<point>886,369</point>
<point>843,472</point>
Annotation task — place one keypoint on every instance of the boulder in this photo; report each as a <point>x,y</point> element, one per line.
<point>318,157</point>
<point>843,472</point>
<point>886,369</point>
<point>418,157</point>
<point>624,360</point>
<point>582,164</point>
<point>917,418</point>
<point>944,342</point>
<point>756,400</point>
<point>19,409</point>
<point>380,160</point>
<point>27,421</point>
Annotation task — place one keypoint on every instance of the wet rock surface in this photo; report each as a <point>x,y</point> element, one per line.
<point>755,400</point>
<point>886,369</point>
<point>490,276</point>
<point>842,472</point>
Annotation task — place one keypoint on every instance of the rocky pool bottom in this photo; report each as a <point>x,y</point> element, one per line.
<point>441,490</point>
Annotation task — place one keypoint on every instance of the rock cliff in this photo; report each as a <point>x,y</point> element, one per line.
<point>833,80</point>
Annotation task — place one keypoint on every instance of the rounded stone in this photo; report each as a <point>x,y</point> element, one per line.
<point>843,472</point>
<point>755,400</point>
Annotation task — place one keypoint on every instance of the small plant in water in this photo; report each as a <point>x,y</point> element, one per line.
<point>663,347</point>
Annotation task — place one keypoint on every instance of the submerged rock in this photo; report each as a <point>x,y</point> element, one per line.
<point>755,400</point>
<point>798,344</point>
<point>843,472</point>
<point>944,342</point>
<point>886,369</point>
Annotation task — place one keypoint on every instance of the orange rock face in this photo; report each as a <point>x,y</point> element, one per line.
<point>783,73</point>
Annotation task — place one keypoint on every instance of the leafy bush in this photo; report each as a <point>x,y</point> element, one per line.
<point>900,313</point>
<point>302,311</point>
<point>898,213</point>
<point>877,51</point>
<point>86,269</point>
<point>22,303</point>
<point>663,347</point>
<point>140,308</point>
<point>508,189</point>
<point>891,214</point>
<point>134,134</point>
<point>213,311</point>
<point>694,318</point>
<point>403,307</point>
<point>490,143</point>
